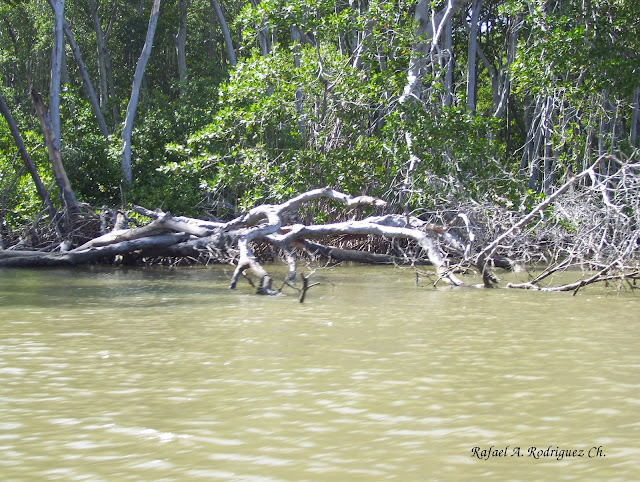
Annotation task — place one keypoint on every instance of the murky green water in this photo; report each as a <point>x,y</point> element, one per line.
<point>166,375</point>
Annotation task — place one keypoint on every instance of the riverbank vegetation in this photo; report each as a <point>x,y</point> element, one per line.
<point>469,134</point>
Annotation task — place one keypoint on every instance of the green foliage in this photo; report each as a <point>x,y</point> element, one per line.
<point>93,175</point>
<point>281,129</point>
<point>155,182</point>
<point>581,47</point>
<point>325,111</point>
<point>458,157</point>
<point>19,200</point>
<point>260,148</point>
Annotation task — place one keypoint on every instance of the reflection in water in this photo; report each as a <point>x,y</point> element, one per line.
<point>165,374</point>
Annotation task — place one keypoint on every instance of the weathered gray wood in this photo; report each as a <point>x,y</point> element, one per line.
<point>51,141</point>
<point>263,224</point>
<point>120,235</point>
<point>231,54</point>
<point>57,58</point>
<point>355,256</point>
<point>74,258</point>
<point>182,237</point>
<point>135,92</point>
<point>181,41</point>
<point>88,85</point>
<point>366,227</point>
<point>14,253</point>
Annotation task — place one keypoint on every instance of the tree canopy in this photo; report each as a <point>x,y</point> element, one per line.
<point>242,103</point>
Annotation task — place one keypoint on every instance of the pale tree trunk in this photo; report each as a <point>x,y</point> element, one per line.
<point>135,92</point>
<point>181,40</point>
<point>262,34</point>
<point>616,128</point>
<point>57,53</point>
<point>42,192</point>
<point>360,46</point>
<point>635,115</point>
<point>231,54</point>
<point>504,78</point>
<point>471,59</point>
<point>549,162</point>
<point>546,144</point>
<point>500,79</point>
<point>541,138</point>
<point>531,156</point>
<point>590,129</point>
<point>107,88</point>
<point>602,131</point>
<point>91,93</point>
<point>60,175</point>
<point>100,41</point>
<point>528,121</point>
<point>295,36</point>
<point>448,55</point>
<point>430,26</point>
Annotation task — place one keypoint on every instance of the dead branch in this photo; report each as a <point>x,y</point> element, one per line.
<point>74,258</point>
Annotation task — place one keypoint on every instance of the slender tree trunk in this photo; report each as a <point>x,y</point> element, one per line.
<point>534,138</point>
<point>549,163</point>
<point>617,129</point>
<point>635,115</point>
<point>448,52</point>
<point>429,27</point>
<point>541,137</point>
<point>107,87</point>
<point>181,40</point>
<point>471,59</point>
<point>362,46</point>
<point>57,54</point>
<point>262,34</point>
<point>60,175</point>
<point>42,192</point>
<point>590,129</point>
<point>504,76</point>
<point>605,123</point>
<point>528,121</point>
<point>91,93</point>
<point>135,92</point>
<point>102,69</point>
<point>295,36</point>
<point>231,54</point>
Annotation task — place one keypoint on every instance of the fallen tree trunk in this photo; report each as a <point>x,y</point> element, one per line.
<point>179,236</point>
<point>339,255</point>
<point>92,254</point>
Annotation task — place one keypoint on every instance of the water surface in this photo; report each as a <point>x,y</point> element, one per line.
<point>123,374</point>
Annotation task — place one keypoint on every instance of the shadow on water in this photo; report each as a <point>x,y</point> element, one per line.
<point>166,374</point>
